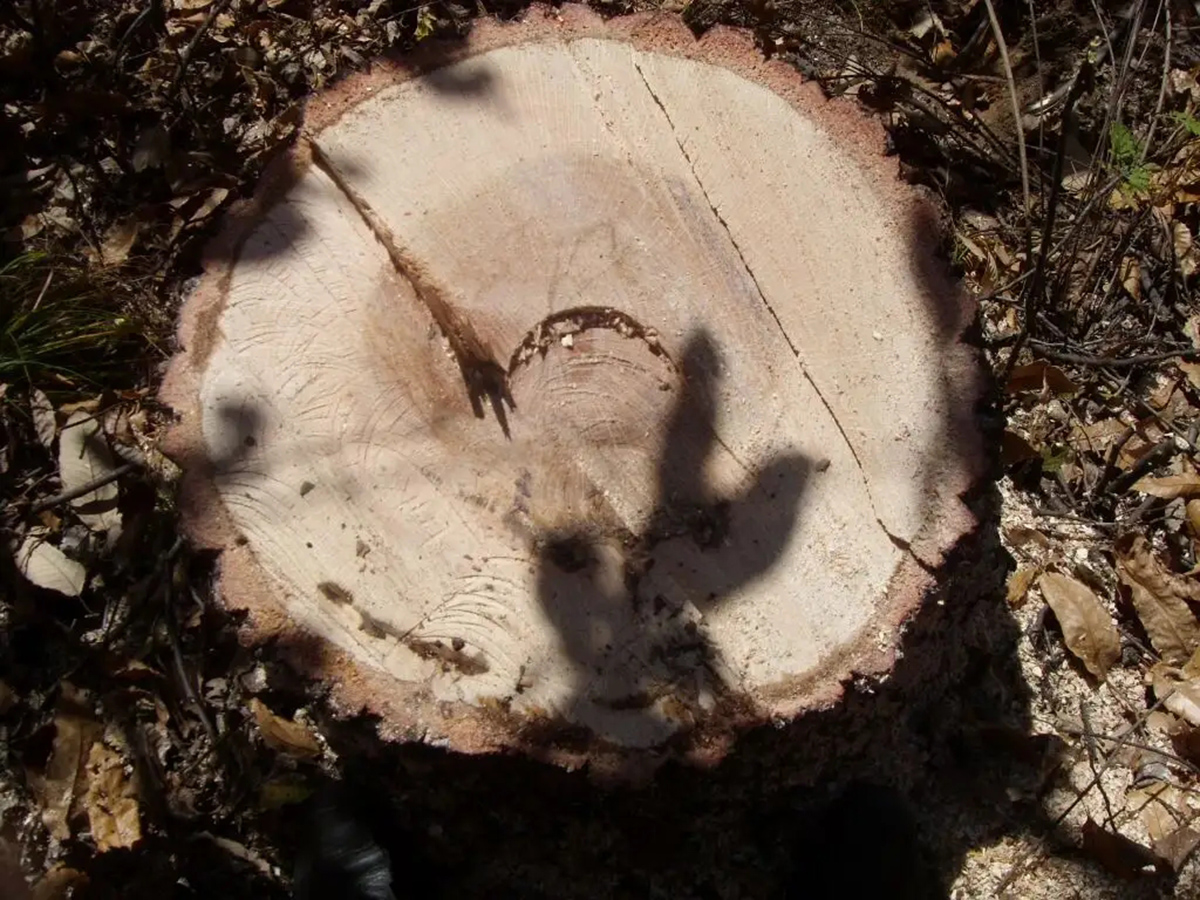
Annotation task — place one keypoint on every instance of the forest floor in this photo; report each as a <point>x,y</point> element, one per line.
<point>145,752</point>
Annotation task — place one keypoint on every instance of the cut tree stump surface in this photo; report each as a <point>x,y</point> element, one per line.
<point>582,381</point>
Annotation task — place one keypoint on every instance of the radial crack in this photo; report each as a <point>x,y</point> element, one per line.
<point>761,295</point>
<point>481,373</point>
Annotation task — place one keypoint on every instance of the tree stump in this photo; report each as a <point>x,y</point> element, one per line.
<point>582,388</point>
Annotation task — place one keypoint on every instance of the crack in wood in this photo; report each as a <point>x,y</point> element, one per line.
<point>761,294</point>
<point>483,376</point>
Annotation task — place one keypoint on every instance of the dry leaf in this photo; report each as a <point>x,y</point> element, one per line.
<point>943,53</point>
<point>1163,391</point>
<point>1185,250</point>
<point>283,734</point>
<point>112,806</point>
<point>1097,437</point>
<point>45,423</point>
<point>1160,598</point>
<point>1186,742</point>
<point>1130,273</point>
<point>83,459</point>
<point>1183,82</point>
<point>1020,536</point>
<point>1177,692</point>
<point>1193,515</point>
<point>1177,846</point>
<point>241,851</point>
<point>213,200</point>
<point>1191,371</point>
<point>1160,808</point>
<point>118,241</point>
<point>1170,486</point>
<point>153,148</point>
<point>1087,628</point>
<point>1118,854</point>
<point>63,782</point>
<point>1038,376</point>
<point>1018,585</point>
<point>1161,721</point>
<point>48,567</point>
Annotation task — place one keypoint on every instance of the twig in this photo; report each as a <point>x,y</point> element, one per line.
<point>76,492</point>
<point>1083,359</point>
<point>1016,111</point>
<point>1035,289</point>
<point>1110,463</point>
<point>1015,871</point>
<point>1162,88</point>
<point>1158,454</point>
<point>42,292</point>
<point>1089,739</point>
<point>1041,87</point>
<point>186,56</point>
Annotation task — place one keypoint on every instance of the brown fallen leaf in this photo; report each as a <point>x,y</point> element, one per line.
<point>1160,598</point>
<point>1177,846</point>
<point>1169,487</point>
<point>1161,394</point>
<point>284,735</point>
<point>64,780</point>
<point>1087,628</point>
<point>112,806</point>
<point>1193,516</point>
<point>1165,813</point>
<point>1160,808</point>
<point>117,242</point>
<point>1130,273</point>
<point>1178,692</point>
<point>1018,585</point>
<point>1118,854</point>
<point>84,458</point>
<point>1040,375</point>
<point>45,421</point>
<point>1097,437</point>
<point>1185,740</point>
<point>1192,372</point>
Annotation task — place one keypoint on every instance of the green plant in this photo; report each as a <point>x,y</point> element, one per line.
<point>57,329</point>
<point>1125,154</point>
<point>1188,122</point>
